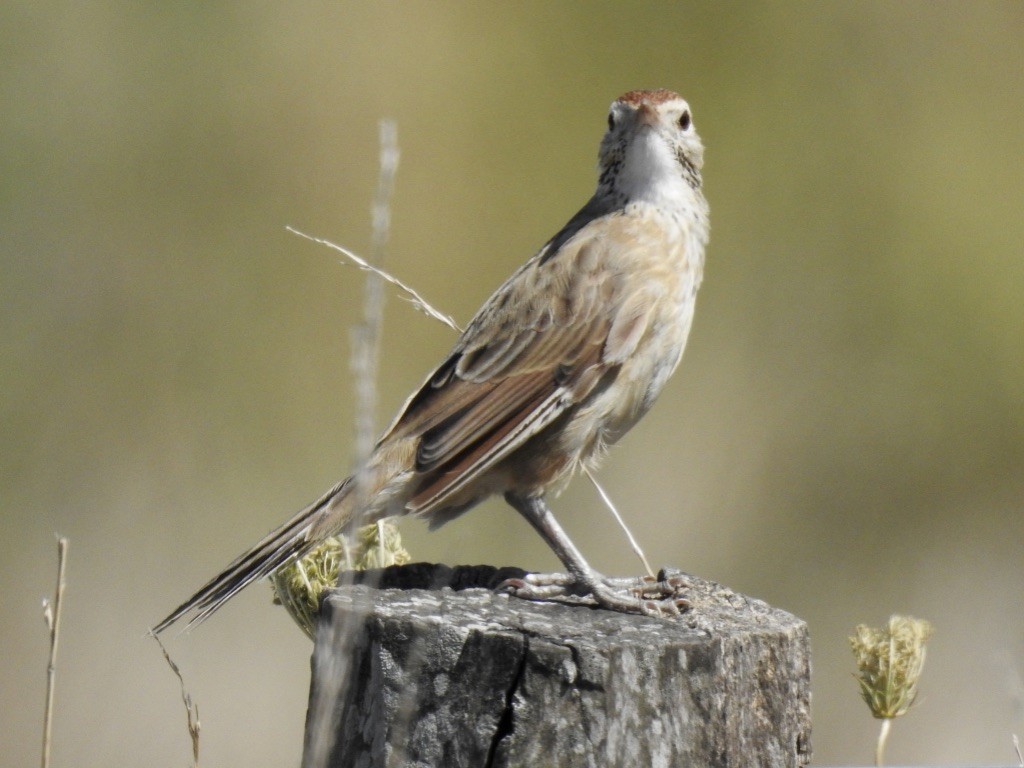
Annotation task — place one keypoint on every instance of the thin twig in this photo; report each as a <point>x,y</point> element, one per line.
<point>1016,748</point>
<point>622,523</point>
<point>51,614</point>
<point>413,297</point>
<point>191,709</point>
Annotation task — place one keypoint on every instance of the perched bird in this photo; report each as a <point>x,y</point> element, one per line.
<point>556,365</point>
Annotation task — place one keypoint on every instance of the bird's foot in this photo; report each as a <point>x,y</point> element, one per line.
<point>661,597</point>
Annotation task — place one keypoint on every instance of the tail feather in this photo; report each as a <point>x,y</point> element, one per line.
<point>285,543</point>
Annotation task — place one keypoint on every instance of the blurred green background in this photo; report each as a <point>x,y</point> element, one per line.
<point>845,437</point>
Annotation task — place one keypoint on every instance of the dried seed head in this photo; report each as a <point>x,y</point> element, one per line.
<point>889,663</point>
<point>299,585</point>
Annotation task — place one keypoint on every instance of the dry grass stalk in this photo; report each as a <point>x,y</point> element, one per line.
<point>51,615</point>
<point>367,335</point>
<point>191,709</point>
<point>414,297</point>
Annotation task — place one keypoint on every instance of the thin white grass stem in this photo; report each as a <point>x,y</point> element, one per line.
<point>51,613</point>
<point>622,523</point>
<point>413,297</point>
<point>883,737</point>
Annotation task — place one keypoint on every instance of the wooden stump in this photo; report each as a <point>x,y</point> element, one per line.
<point>414,673</point>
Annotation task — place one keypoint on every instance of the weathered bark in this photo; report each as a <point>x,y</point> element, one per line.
<point>422,675</point>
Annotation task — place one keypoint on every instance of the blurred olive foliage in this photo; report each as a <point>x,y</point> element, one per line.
<point>845,437</point>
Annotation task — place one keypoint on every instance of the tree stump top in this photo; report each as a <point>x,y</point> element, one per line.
<point>431,667</point>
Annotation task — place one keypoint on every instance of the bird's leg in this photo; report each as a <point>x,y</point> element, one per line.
<point>637,595</point>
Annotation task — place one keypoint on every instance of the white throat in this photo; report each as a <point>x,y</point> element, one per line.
<point>650,173</point>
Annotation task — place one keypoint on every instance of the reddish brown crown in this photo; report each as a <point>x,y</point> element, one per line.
<point>658,96</point>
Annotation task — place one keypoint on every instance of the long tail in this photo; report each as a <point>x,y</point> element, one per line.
<point>292,540</point>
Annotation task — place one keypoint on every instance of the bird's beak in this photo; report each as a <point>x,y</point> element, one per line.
<point>646,115</point>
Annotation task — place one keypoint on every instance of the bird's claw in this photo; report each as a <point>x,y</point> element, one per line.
<point>660,597</point>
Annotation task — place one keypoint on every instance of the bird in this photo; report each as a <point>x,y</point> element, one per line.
<point>556,366</point>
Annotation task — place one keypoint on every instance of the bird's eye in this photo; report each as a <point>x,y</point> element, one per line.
<point>684,120</point>
<point>611,121</point>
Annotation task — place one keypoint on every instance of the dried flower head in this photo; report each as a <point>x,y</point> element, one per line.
<point>889,663</point>
<point>299,585</point>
